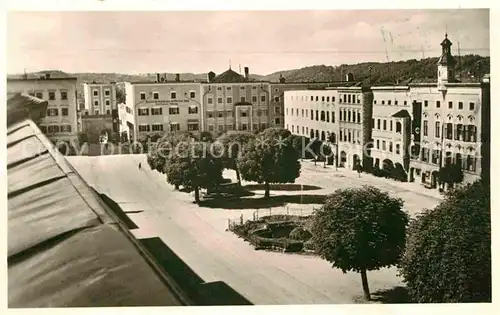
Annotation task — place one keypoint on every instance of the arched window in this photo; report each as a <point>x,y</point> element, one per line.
<point>398,127</point>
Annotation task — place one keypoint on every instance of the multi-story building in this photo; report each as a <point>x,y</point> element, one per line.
<point>60,122</point>
<point>100,98</point>
<point>162,106</point>
<point>277,101</point>
<point>312,114</point>
<point>339,115</point>
<point>355,117</point>
<point>234,102</point>
<point>391,126</point>
<point>99,114</point>
<point>451,123</point>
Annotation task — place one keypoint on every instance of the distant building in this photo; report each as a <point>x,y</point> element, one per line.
<point>60,122</point>
<point>161,106</point>
<point>100,98</point>
<point>233,102</point>
<point>416,127</point>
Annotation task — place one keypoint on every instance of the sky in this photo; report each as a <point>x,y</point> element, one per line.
<point>265,41</point>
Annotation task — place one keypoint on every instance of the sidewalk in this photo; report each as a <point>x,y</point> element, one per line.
<point>411,187</point>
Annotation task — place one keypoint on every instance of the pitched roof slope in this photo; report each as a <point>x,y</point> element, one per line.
<point>65,247</point>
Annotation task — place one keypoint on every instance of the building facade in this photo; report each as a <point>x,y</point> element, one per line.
<point>234,102</point>
<point>391,126</point>
<point>99,98</point>
<point>60,122</point>
<point>161,107</point>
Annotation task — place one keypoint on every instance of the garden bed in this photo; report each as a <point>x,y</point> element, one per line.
<point>285,233</point>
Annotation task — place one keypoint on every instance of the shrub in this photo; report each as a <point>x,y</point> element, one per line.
<point>448,253</point>
<point>309,245</point>
<point>300,234</point>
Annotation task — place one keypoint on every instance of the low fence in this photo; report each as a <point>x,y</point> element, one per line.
<point>259,213</point>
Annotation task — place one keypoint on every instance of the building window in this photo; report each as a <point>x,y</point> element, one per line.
<point>276,99</point>
<point>52,112</point>
<point>108,112</point>
<point>220,114</point>
<point>96,112</point>
<point>156,95</point>
<point>156,111</point>
<point>312,114</point>
<point>459,132</point>
<point>96,103</point>
<point>219,100</point>
<point>426,103</point>
<point>328,98</point>
<point>471,106</point>
<point>359,118</point>
<point>396,102</point>
<point>471,163</point>
<point>242,99</point>
<point>96,93</point>
<point>193,110</point>
<point>435,156</point>
<point>243,114</point>
<point>399,127</point>
<point>175,127</point>
<point>173,111</point>
<point>143,111</point>
<point>53,129</point>
<point>64,95</point>
<point>210,100</point>
<point>383,145</point>
<point>143,96</point>
<point>192,94</point>
<point>52,96</point>
<point>277,121</point>
<point>390,145</point>
<point>327,116</point>
<point>378,124</point>
<point>193,127</point>
<point>157,127</point>
<point>460,105</point>
<point>64,111</point>
<point>317,115</point>
<point>405,103</point>
<point>389,102</point>
<point>317,98</point>
<point>262,98</point>
<point>449,131</point>
<point>43,129</point>
<point>39,95</point>
<point>385,124</point>
<point>383,102</point>
<point>210,114</point>
<point>211,128</point>
<point>173,95</point>
<point>143,128</point>
<point>107,102</point>
<point>390,125</point>
<point>107,92</point>
<point>254,98</point>
<point>229,100</point>
<point>450,105</point>
<point>438,129</point>
<point>397,148</point>
<point>425,128</point>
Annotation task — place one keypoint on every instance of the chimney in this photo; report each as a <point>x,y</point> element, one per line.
<point>177,77</point>
<point>47,76</point>
<point>211,76</point>
<point>157,77</point>
<point>165,77</point>
<point>246,73</point>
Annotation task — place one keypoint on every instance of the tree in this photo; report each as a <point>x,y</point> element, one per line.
<point>300,144</point>
<point>161,150</point>
<point>451,174</point>
<point>325,152</point>
<point>194,165</point>
<point>233,142</point>
<point>360,229</point>
<point>270,158</point>
<point>316,149</point>
<point>82,138</point>
<point>448,253</point>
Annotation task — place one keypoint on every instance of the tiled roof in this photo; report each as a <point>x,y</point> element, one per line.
<point>66,248</point>
<point>229,76</point>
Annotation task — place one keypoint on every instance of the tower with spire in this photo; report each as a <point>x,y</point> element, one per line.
<point>446,64</point>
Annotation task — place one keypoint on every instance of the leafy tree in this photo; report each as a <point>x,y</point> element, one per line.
<point>451,174</point>
<point>300,143</point>
<point>270,158</point>
<point>316,149</point>
<point>233,143</point>
<point>161,150</point>
<point>194,165</point>
<point>82,138</point>
<point>325,152</point>
<point>360,229</point>
<point>448,252</point>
